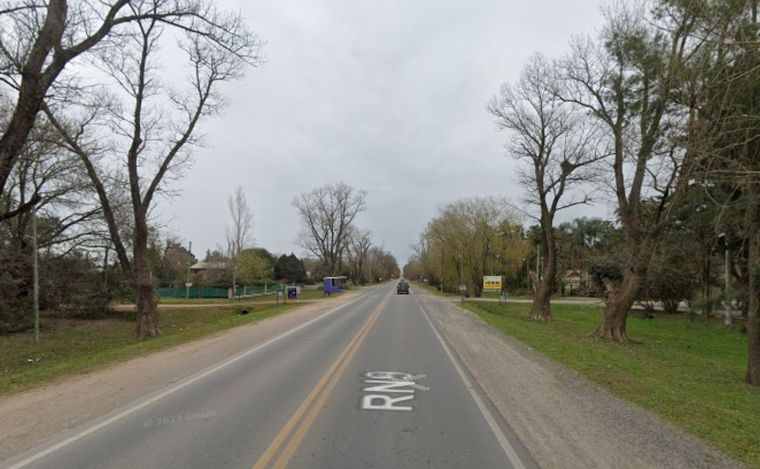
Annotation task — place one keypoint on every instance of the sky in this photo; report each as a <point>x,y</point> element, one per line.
<point>387,96</point>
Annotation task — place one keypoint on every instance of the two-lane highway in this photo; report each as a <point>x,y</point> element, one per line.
<point>369,384</point>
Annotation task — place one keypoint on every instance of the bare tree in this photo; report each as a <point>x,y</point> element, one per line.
<point>239,234</point>
<point>327,214</point>
<point>551,136</point>
<point>154,132</point>
<point>626,80</point>
<point>357,252</point>
<point>38,40</point>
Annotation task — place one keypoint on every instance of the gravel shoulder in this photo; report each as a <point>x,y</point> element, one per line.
<point>562,418</point>
<point>33,417</point>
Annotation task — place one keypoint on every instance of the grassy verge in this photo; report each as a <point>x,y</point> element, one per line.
<point>690,372</point>
<point>431,289</point>
<point>76,346</point>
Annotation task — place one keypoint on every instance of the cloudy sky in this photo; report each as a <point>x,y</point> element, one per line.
<point>387,96</point>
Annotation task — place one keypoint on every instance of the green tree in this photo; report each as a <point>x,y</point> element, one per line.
<point>290,269</point>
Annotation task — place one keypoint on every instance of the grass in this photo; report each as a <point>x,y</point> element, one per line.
<point>432,289</point>
<point>691,372</point>
<point>76,346</point>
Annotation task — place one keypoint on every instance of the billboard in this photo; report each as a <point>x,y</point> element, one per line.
<point>492,284</point>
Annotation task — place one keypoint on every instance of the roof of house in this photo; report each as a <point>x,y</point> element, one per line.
<point>209,265</point>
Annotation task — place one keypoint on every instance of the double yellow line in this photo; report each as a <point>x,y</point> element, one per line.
<point>309,409</point>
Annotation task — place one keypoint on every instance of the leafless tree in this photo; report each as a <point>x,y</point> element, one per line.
<point>357,252</point>
<point>559,147</point>
<point>239,234</point>
<point>149,137</point>
<point>38,40</point>
<point>55,181</point>
<point>327,214</point>
<point>626,80</point>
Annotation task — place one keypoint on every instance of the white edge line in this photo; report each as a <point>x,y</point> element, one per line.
<point>509,450</point>
<point>173,389</point>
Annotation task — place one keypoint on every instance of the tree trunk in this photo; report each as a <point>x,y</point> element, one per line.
<point>613,323</point>
<point>753,315</point>
<point>541,310</point>
<point>34,86</point>
<point>147,311</point>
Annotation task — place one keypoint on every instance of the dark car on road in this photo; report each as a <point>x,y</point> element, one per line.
<point>402,288</point>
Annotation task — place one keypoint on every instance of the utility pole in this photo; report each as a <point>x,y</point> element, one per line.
<point>187,271</point>
<point>729,315</point>
<point>35,279</point>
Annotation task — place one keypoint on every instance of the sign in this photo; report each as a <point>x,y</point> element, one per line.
<point>462,288</point>
<point>189,284</point>
<point>492,284</point>
<point>292,293</point>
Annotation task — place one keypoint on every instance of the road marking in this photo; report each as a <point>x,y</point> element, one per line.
<point>390,382</point>
<point>315,399</point>
<point>506,446</point>
<point>173,389</point>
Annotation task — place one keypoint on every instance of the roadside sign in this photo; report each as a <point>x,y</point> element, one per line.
<point>292,293</point>
<point>492,284</point>
<point>189,284</point>
<point>463,288</point>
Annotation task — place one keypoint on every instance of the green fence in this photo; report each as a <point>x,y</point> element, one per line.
<point>192,292</point>
<point>210,292</point>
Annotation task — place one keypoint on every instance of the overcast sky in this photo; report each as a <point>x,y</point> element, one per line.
<point>387,96</point>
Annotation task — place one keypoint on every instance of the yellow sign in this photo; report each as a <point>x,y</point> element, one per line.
<point>492,283</point>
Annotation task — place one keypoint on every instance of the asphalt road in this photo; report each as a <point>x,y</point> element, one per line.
<point>369,384</point>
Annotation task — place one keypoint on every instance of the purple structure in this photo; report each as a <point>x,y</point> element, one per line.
<point>333,284</point>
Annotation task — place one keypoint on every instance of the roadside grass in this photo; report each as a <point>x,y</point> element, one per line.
<point>431,289</point>
<point>495,296</point>
<point>689,371</point>
<point>76,346</point>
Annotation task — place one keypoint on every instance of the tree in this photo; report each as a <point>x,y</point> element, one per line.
<point>382,264</point>
<point>290,269</point>
<point>357,254</point>
<point>327,215</point>
<point>626,80</point>
<point>152,136</point>
<point>255,265</point>
<point>413,269</point>
<point>39,40</point>
<point>239,234</point>
<point>725,100</point>
<point>172,268</point>
<point>547,133</point>
<point>471,238</point>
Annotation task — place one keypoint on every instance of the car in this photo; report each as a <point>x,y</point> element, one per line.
<point>402,288</point>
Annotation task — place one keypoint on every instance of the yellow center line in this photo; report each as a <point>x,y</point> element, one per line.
<point>327,384</point>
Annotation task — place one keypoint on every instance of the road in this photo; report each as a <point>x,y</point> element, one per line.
<point>368,384</point>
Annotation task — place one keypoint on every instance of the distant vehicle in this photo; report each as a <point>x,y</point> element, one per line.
<point>402,288</point>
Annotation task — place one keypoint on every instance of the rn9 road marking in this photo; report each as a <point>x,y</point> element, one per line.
<point>389,382</point>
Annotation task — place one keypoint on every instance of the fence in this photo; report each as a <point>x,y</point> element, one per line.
<point>210,292</point>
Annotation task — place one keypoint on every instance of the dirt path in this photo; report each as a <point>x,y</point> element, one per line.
<point>33,417</point>
<point>564,420</point>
